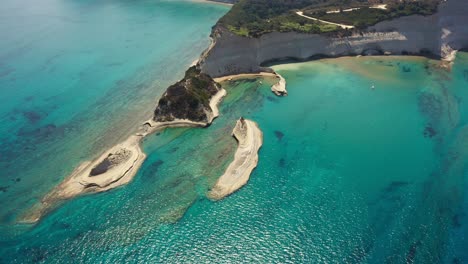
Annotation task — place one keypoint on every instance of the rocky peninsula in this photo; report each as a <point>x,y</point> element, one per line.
<point>191,102</point>
<point>250,139</point>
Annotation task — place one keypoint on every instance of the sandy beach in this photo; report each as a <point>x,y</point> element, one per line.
<point>115,167</point>
<point>250,139</point>
<point>278,88</point>
<point>243,75</point>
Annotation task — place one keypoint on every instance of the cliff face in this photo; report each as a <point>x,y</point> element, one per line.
<point>437,34</point>
<point>189,98</point>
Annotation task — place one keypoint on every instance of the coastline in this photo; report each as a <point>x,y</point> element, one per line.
<point>279,88</point>
<point>213,2</point>
<point>433,36</point>
<point>250,139</point>
<point>117,166</point>
<point>242,55</point>
<point>242,76</point>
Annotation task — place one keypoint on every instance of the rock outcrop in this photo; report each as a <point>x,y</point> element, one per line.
<point>279,88</point>
<point>437,35</point>
<point>188,99</point>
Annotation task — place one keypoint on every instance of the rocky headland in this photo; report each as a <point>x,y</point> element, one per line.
<point>250,139</point>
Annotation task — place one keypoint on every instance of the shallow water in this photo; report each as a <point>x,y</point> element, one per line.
<point>77,76</point>
<point>346,174</point>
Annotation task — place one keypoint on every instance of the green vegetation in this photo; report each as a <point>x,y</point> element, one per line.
<point>365,16</point>
<point>188,98</point>
<point>253,18</point>
<point>256,17</point>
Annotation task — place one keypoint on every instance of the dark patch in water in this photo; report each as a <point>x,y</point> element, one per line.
<point>405,68</point>
<point>41,132</point>
<point>395,185</point>
<point>62,225</point>
<point>456,221</point>
<point>29,98</point>
<point>282,163</point>
<point>153,168</point>
<point>430,105</point>
<point>36,254</point>
<point>271,99</point>
<point>174,149</point>
<point>279,135</point>
<point>4,189</point>
<point>456,261</point>
<point>412,252</point>
<point>429,131</point>
<point>325,126</point>
<point>120,82</point>
<point>32,116</point>
<point>465,75</point>
<point>5,73</point>
<point>427,69</point>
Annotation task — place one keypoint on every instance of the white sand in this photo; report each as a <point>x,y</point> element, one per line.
<point>250,139</point>
<point>243,75</point>
<point>214,102</point>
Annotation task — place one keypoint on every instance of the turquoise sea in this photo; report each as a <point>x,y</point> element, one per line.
<point>346,174</point>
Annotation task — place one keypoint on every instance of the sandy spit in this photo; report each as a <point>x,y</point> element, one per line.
<point>250,139</point>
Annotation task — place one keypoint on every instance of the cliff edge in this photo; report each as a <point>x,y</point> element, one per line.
<point>436,35</point>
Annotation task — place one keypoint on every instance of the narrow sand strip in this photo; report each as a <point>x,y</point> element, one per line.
<point>278,88</point>
<point>214,103</point>
<point>300,13</point>
<point>250,139</point>
<point>243,75</point>
<point>115,167</point>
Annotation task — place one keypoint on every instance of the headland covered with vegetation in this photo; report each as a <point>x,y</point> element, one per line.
<point>253,18</point>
